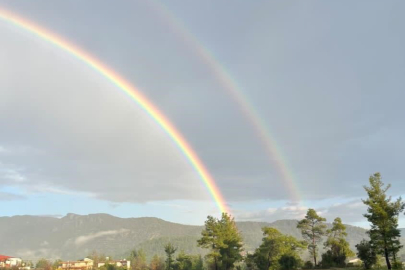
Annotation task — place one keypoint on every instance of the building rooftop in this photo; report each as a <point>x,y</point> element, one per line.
<point>4,257</point>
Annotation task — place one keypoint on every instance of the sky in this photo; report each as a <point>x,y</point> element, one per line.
<point>323,77</point>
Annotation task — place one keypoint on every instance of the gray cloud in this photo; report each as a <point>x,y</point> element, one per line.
<point>273,214</point>
<point>80,240</point>
<point>88,137</point>
<point>327,85</point>
<point>52,216</point>
<point>350,212</point>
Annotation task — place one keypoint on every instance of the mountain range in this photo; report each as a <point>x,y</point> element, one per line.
<point>76,236</point>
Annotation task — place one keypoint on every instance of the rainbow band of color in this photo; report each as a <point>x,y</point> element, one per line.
<point>229,84</point>
<point>132,92</point>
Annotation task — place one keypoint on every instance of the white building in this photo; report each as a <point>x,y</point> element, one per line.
<point>355,261</point>
<point>8,261</point>
<point>85,264</point>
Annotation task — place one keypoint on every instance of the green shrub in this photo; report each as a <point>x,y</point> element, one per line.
<point>308,265</point>
<point>289,262</point>
<point>397,265</point>
<point>331,260</point>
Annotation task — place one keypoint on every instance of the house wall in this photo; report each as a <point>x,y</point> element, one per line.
<point>10,262</point>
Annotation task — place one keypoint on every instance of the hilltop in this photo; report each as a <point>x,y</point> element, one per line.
<point>75,236</point>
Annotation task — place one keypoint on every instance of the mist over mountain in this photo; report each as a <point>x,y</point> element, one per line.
<point>76,236</point>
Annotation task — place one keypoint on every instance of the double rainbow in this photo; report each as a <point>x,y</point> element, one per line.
<point>131,91</point>
<point>229,84</point>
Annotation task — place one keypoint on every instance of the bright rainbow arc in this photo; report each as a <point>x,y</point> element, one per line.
<point>273,151</point>
<point>132,92</point>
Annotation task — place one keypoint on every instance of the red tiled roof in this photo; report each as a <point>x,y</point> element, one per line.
<point>4,257</point>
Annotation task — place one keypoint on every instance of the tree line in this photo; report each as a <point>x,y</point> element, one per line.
<point>225,247</point>
<point>278,251</point>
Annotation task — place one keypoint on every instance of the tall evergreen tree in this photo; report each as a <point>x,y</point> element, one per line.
<point>223,239</point>
<point>183,261</point>
<point>383,214</point>
<point>312,229</point>
<point>268,253</point>
<point>169,250</point>
<point>339,248</point>
<point>274,246</point>
<point>232,242</point>
<point>198,263</point>
<point>211,240</point>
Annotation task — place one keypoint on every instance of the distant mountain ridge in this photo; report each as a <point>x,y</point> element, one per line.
<point>75,236</point>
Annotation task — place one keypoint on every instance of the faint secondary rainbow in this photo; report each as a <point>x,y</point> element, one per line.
<point>268,140</point>
<point>131,91</point>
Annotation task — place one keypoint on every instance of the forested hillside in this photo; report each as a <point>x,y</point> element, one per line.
<point>75,236</point>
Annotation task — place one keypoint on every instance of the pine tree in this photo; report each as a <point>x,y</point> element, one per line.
<point>232,240</point>
<point>183,261</point>
<point>383,214</point>
<point>312,229</point>
<point>211,239</point>
<point>339,248</point>
<point>274,246</point>
<point>198,263</point>
<point>170,250</point>
<point>223,239</point>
